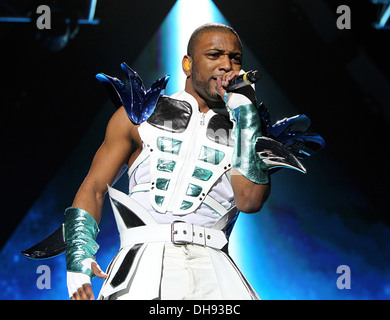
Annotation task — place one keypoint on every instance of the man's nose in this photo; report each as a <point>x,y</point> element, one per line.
<point>225,63</point>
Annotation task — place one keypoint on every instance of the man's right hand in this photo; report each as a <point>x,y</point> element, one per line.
<point>79,284</point>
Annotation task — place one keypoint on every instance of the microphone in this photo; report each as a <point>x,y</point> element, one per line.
<point>243,80</point>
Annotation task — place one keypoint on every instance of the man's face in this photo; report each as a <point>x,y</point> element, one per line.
<point>215,54</point>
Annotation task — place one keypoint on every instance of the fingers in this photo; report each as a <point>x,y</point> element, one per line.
<point>223,81</point>
<point>88,293</point>
<point>79,284</point>
<point>246,91</point>
<point>83,293</point>
<point>98,271</point>
<point>228,76</point>
<point>219,87</point>
<point>82,283</point>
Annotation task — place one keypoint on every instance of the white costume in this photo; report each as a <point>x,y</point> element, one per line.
<point>175,223</point>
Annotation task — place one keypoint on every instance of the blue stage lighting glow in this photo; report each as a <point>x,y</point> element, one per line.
<point>183,19</point>
<point>173,36</point>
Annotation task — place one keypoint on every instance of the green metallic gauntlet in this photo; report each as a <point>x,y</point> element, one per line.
<point>246,130</point>
<point>80,231</point>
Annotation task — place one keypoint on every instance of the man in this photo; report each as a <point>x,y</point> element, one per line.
<point>178,171</point>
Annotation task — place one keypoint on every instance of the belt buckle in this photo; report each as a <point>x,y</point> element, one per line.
<point>187,234</point>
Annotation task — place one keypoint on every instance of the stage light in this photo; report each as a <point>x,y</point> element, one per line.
<point>64,27</point>
<point>64,22</point>
<point>184,18</point>
<point>383,14</point>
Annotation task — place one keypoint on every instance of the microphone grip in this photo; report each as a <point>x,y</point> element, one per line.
<point>243,80</point>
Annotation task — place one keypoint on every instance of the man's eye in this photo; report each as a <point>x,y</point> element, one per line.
<point>237,60</point>
<point>214,55</point>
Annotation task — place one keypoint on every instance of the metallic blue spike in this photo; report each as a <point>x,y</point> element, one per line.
<point>115,88</point>
<point>137,89</point>
<point>152,95</point>
<point>298,123</point>
<point>293,133</point>
<point>138,103</point>
<point>303,144</point>
<point>265,118</point>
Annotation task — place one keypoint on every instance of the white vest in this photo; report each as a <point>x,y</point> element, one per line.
<point>185,162</point>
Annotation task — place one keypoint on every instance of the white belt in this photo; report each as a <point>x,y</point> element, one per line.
<point>179,233</point>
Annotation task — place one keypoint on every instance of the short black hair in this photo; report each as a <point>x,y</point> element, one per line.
<point>206,28</point>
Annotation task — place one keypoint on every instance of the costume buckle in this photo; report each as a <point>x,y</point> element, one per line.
<point>181,232</point>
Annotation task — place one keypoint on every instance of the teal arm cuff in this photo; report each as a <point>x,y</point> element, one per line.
<point>80,231</point>
<point>247,130</point>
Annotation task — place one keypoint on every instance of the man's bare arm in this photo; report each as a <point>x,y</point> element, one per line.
<point>249,197</point>
<point>119,149</point>
<point>109,162</point>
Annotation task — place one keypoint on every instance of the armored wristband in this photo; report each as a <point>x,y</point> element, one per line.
<point>246,131</point>
<point>80,231</point>
<point>245,159</point>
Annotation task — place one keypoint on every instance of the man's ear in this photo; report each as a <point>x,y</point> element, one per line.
<point>187,65</point>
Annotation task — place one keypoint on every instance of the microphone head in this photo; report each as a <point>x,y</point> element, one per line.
<point>254,76</point>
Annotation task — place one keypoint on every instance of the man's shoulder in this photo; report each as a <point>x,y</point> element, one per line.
<point>120,124</point>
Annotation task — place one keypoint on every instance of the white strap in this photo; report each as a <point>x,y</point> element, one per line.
<point>141,187</point>
<point>208,200</point>
<point>225,219</point>
<point>131,204</point>
<point>215,205</point>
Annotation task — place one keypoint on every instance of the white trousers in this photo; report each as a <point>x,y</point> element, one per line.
<point>188,273</point>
